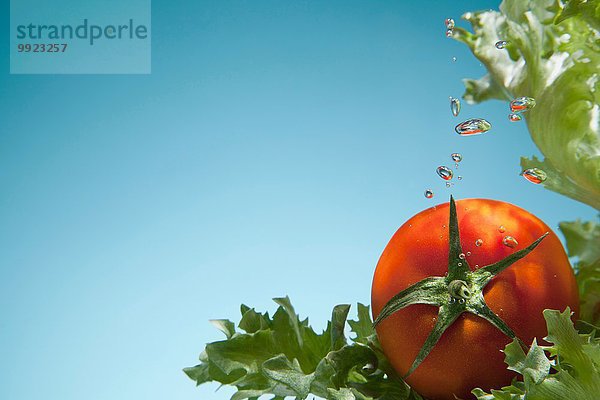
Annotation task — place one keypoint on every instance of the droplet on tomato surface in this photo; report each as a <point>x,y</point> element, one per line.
<point>468,254</point>
<point>454,106</point>
<point>461,256</point>
<point>522,104</point>
<point>444,172</point>
<point>501,44</point>
<point>501,229</point>
<point>478,242</point>
<point>473,126</point>
<point>428,193</point>
<point>514,117</point>
<point>534,175</point>
<point>510,241</point>
<point>456,157</point>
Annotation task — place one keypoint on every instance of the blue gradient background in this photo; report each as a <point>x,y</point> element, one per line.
<point>274,150</point>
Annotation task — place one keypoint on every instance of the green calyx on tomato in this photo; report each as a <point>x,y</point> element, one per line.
<point>461,290</point>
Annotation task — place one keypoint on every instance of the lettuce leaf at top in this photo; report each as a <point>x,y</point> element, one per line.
<point>553,55</point>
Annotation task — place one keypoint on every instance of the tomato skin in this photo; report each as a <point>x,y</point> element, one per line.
<point>468,354</point>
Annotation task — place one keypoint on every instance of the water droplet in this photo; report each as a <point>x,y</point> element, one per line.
<point>459,178</point>
<point>501,44</point>
<point>473,126</point>
<point>456,157</point>
<point>468,254</point>
<point>445,173</point>
<point>428,193</point>
<point>514,117</point>
<point>454,59</point>
<point>510,241</point>
<point>534,175</point>
<point>461,256</point>
<point>454,106</point>
<point>449,23</point>
<point>501,229</point>
<point>522,104</point>
<point>478,242</point>
<point>449,32</point>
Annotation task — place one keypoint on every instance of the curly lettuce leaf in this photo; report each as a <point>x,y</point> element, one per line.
<point>583,243</point>
<point>283,356</point>
<point>571,372</point>
<point>553,55</point>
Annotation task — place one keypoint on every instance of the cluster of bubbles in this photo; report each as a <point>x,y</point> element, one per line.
<point>445,173</point>
<point>518,106</point>
<point>477,126</point>
<point>449,27</point>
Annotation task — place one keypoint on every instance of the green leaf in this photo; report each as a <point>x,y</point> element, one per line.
<point>283,356</point>
<point>583,243</point>
<point>572,373</point>
<point>225,326</point>
<point>288,375</point>
<point>252,321</point>
<point>363,327</point>
<point>553,55</point>
<point>583,240</point>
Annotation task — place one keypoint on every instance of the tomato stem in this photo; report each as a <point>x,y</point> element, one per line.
<point>459,289</point>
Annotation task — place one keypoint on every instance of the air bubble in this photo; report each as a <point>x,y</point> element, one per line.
<point>461,256</point>
<point>444,172</point>
<point>534,175</point>
<point>510,241</point>
<point>514,117</point>
<point>454,106</point>
<point>473,126</point>
<point>456,157</point>
<point>428,193</point>
<point>522,104</point>
<point>478,242</point>
<point>501,229</point>
<point>501,44</point>
<point>449,23</point>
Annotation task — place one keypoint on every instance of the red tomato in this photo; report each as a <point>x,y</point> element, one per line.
<point>468,354</point>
